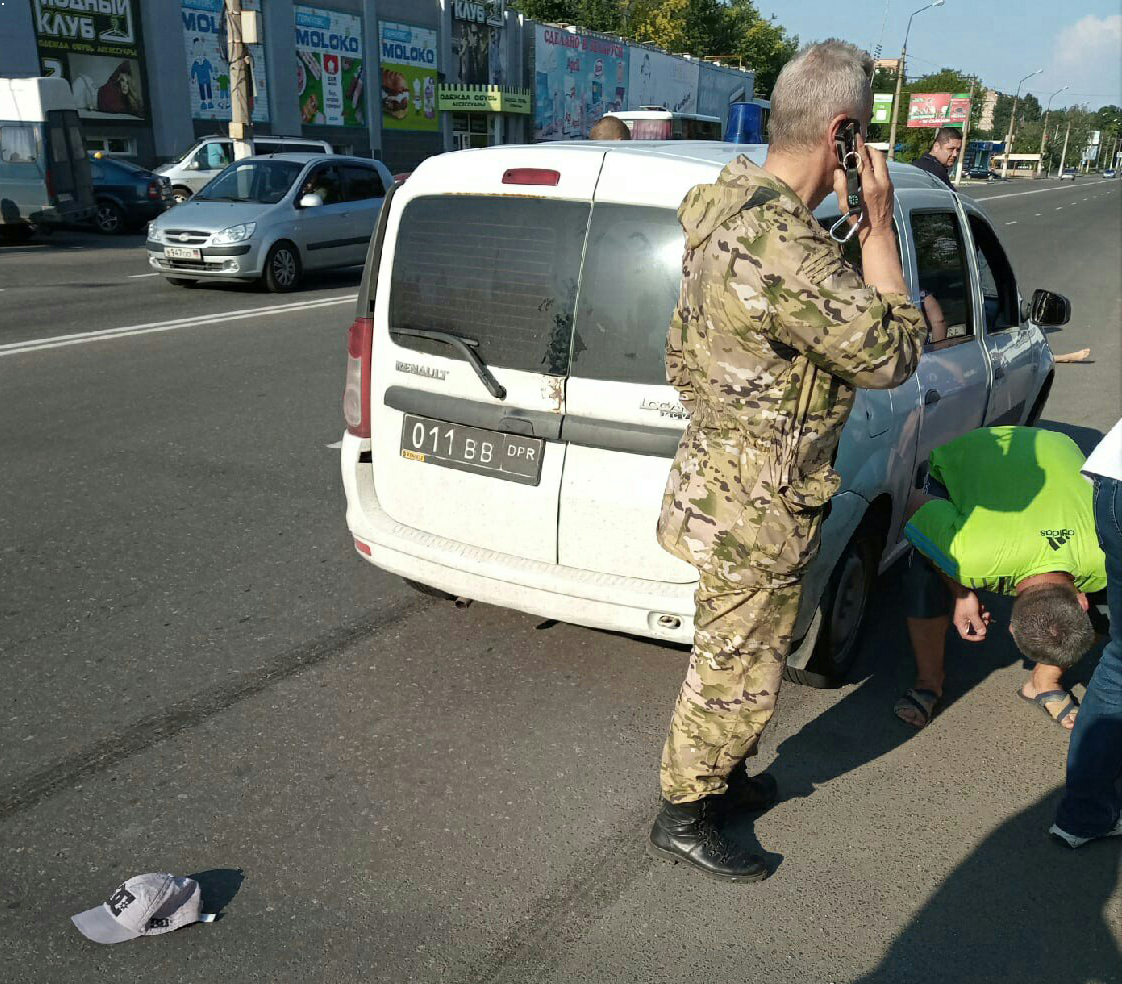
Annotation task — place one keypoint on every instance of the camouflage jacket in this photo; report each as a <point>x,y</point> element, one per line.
<point>772,333</point>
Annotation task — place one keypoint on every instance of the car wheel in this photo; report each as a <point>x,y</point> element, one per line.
<point>426,590</point>
<point>842,610</point>
<point>282,268</point>
<point>109,219</point>
<point>181,194</point>
<point>181,282</point>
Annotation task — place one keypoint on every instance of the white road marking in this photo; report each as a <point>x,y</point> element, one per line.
<point>335,447</point>
<point>141,276</point>
<point>1019,194</point>
<point>1014,222</point>
<point>1059,208</point>
<point>80,338</point>
<point>1038,215</point>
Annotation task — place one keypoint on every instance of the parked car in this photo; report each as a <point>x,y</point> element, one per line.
<point>204,161</point>
<point>1109,172</point>
<point>1069,173</point>
<point>272,219</point>
<point>509,426</point>
<point>127,196</point>
<point>44,173</point>
<point>984,174</point>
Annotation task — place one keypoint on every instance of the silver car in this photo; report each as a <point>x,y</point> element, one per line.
<point>272,219</point>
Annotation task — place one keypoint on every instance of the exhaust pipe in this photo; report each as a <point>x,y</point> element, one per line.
<point>462,603</point>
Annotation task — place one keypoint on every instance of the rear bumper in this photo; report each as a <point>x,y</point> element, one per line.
<point>655,609</point>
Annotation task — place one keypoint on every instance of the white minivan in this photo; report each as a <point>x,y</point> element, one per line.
<point>211,155</point>
<point>509,424</point>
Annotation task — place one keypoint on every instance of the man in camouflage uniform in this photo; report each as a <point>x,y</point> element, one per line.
<point>772,333</point>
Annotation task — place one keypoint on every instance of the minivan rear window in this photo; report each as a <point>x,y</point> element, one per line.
<point>629,287</point>
<point>501,270</point>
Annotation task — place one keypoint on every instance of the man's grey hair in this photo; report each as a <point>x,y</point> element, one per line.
<point>1050,626</point>
<point>820,82</point>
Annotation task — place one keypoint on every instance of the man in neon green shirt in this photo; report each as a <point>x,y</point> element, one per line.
<point>1007,511</point>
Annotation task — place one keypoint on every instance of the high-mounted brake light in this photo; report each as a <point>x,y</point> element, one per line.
<point>356,392</point>
<point>531,176</point>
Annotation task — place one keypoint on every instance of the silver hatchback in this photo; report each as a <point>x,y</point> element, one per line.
<point>272,218</point>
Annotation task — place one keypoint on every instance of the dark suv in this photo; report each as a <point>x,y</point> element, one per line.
<point>127,196</point>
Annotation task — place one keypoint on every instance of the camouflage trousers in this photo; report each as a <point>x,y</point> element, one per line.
<point>742,637</point>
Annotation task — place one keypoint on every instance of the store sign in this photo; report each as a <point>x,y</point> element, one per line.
<point>479,11</point>
<point>882,107</point>
<point>938,109</point>
<point>205,36</point>
<point>577,79</point>
<point>408,56</point>
<point>484,98</point>
<point>96,46</point>
<point>329,70</point>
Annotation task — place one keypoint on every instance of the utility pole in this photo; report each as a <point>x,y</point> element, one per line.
<point>900,78</point>
<point>1012,121</point>
<point>965,133</point>
<point>1063,156</point>
<point>1044,129</point>
<point>241,122</point>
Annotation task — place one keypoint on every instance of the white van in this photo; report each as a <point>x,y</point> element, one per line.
<point>206,159</point>
<point>510,428</point>
<point>44,170</point>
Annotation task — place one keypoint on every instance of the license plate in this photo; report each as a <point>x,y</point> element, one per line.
<point>182,253</point>
<point>507,456</point>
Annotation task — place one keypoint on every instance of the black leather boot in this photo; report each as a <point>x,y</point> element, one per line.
<point>685,832</point>
<point>749,794</point>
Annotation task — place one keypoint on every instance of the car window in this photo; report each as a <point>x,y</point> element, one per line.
<point>19,144</point>
<point>501,270</point>
<point>263,182</point>
<point>995,276</point>
<point>944,280</point>
<point>299,148</point>
<point>361,183</point>
<point>325,182</point>
<point>214,155</point>
<point>266,147</point>
<point>632,272</point>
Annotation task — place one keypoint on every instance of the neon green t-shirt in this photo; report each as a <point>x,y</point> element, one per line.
<point>1018,507</point>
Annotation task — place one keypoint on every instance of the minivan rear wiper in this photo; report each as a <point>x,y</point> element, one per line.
<point>466,347</point>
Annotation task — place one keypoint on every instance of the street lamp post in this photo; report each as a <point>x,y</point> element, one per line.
<point>900,78</point>
<point>1044,130</point>
<point>1013,120</point>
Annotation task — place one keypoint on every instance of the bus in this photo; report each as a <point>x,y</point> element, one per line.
<point>658,123</point>
<point>748,122</point>
<point>44,171</point>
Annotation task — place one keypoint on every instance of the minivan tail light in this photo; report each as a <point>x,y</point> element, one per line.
<point>356,392</point>
<point>531,176</point>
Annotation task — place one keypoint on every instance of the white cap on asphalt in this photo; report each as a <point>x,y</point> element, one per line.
<point>143,906</point>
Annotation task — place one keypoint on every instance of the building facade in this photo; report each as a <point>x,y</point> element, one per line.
<point>395,79</point>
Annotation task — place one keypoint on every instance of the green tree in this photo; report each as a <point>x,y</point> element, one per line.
<point>760,43</point>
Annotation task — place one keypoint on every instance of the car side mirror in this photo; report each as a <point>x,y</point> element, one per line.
<point>1049,310</point>
<point>311,200</point>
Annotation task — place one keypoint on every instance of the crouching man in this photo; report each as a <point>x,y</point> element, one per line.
<point>772,333</point>
<point>1008,513</point>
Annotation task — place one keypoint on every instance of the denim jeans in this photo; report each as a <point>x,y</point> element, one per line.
<point>1092,804</point>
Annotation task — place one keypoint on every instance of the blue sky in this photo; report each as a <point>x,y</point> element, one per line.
<point>1077,43</point>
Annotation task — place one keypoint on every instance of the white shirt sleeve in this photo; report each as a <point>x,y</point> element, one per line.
<point>1106,459</point>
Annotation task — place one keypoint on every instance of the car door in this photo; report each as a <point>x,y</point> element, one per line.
<point>326,228</point>
<point>953,375</point>
<point>365,192</point>
<point>1008,342</point>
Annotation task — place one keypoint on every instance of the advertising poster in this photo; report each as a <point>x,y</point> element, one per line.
<point>408,56</point>
<point>577,79</point>
<point>882,107</point>
<point>329,71</point>
<point>938,109</point>
<point>471,52</point>
<point>205,35</point>
<point>659,79</point>
<point>96,46</point>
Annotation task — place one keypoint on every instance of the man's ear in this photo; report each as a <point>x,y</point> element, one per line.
<point>1083,602</point>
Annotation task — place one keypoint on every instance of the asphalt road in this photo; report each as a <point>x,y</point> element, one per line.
<point>199,675</point>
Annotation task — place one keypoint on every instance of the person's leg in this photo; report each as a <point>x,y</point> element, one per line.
<point>928,604</point>
<point>742,637</point>
<point>1091,806</point>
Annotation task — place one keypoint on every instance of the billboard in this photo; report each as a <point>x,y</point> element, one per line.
<point>471,52</point>
<point>658,79</point>
<point>408,56</point>
<point>938,109</point>
<point>97,47</point>
<point>882,107</point>
<point>329,70</point>
<point>208,68</point>
<point>577,79</point>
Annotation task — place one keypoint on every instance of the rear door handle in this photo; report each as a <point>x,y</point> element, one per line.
<point>999,370</point>
<point>931,397</point>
